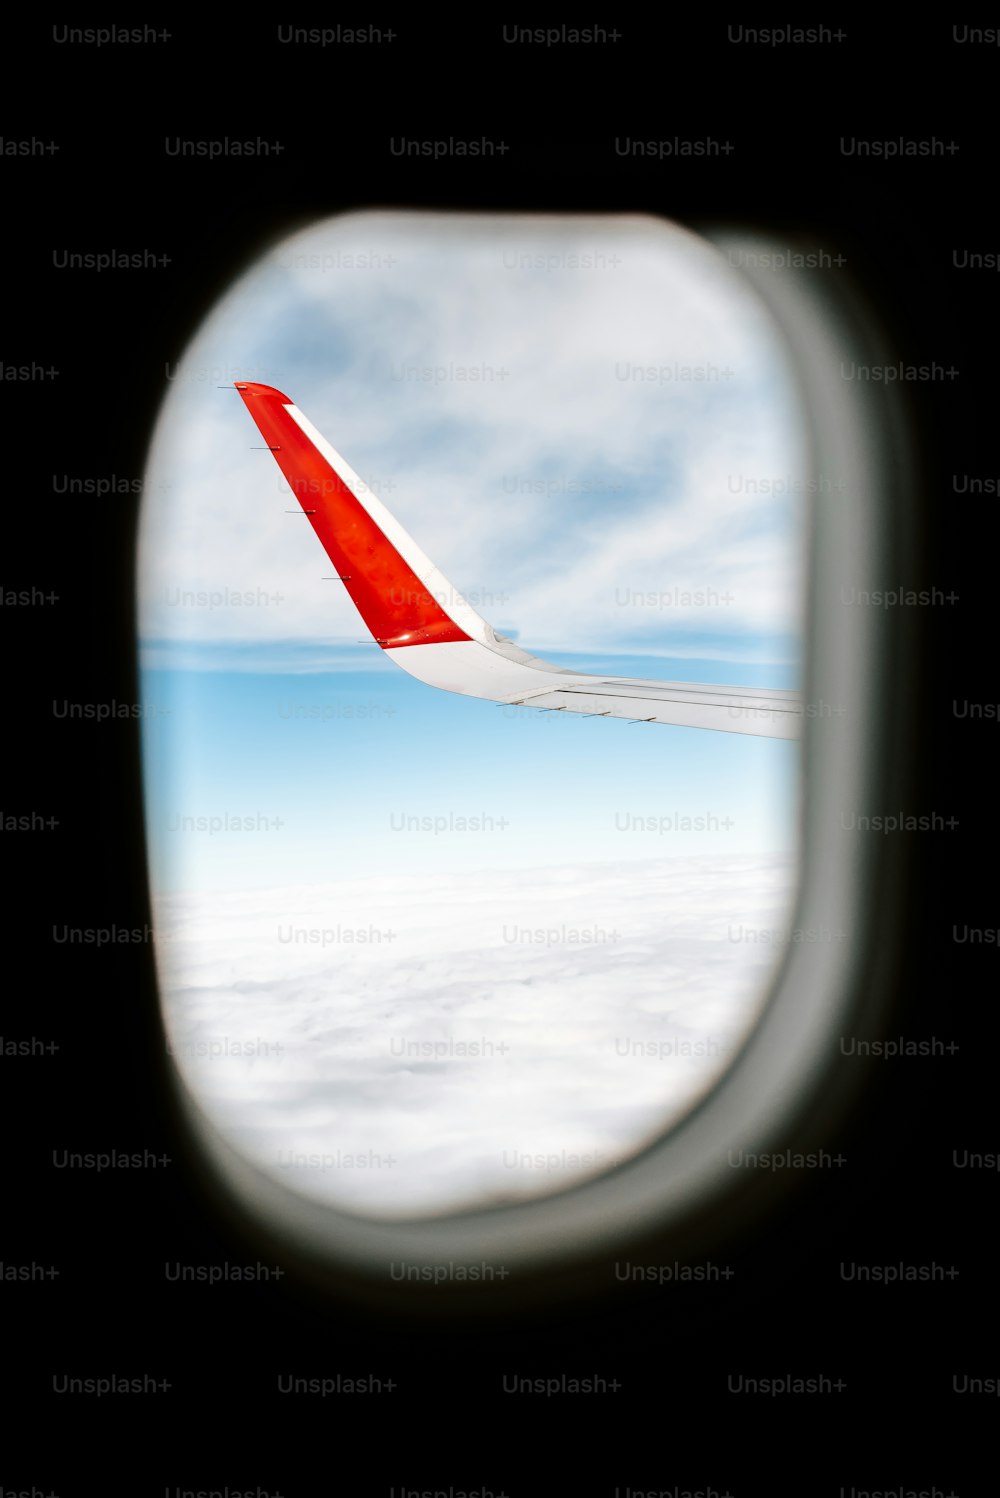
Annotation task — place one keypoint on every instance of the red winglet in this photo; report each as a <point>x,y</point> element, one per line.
<point>395,605</point>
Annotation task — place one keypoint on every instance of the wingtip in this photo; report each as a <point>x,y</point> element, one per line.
<point>249,390</point>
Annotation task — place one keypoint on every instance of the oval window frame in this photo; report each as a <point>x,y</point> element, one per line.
<point>784,1091</point>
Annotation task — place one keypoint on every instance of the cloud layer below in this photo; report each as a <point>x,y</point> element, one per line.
<point>400,1046</point>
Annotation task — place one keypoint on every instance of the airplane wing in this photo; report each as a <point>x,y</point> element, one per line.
<point>425,625</point>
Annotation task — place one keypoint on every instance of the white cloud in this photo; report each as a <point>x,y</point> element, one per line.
<point>638,475</point>
<point>617,992</point>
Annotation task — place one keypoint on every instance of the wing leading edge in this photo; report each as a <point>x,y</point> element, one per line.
<point>425,625</point>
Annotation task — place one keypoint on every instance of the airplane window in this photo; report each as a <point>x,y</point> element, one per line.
<point>472,597</point>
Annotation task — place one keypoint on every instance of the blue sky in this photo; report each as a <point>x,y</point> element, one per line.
<point>328,766</point>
